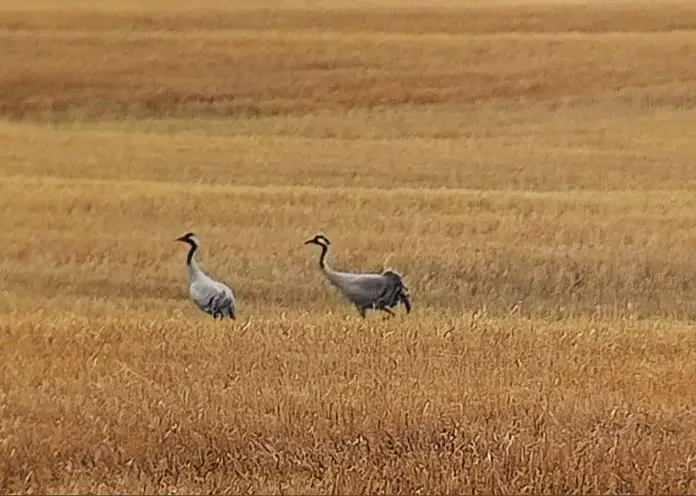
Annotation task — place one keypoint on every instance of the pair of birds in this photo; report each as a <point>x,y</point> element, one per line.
<point>366,291</point>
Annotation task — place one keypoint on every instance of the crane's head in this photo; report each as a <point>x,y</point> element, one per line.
<point>319,239</point>
<point>189,238</point>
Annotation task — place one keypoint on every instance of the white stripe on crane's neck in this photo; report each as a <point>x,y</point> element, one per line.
<point>194,271</point>
<point>330,273</point>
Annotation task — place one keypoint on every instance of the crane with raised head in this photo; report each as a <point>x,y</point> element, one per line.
<point>365,290</point>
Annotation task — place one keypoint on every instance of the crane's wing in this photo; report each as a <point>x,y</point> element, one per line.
<point>213,297</point>
<point>229,300</point>
<point>373,290</point>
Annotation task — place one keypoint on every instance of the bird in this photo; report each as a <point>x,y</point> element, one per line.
<point>366,291</point>
<point>212,297</point>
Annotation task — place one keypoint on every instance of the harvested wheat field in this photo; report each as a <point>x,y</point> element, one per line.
<point>529,168</point>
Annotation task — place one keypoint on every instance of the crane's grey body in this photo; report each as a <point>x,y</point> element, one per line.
<point>212,297</point>
<point>366,291</point>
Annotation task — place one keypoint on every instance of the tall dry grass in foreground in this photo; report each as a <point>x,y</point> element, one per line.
<point>529,169</point>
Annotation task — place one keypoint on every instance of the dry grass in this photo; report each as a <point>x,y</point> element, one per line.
<point>267,62</point>
<point>529,169</point>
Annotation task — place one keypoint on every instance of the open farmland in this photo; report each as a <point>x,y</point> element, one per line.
<point>529,169</point>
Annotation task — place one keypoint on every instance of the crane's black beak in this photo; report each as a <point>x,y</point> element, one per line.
<point>310,242</point>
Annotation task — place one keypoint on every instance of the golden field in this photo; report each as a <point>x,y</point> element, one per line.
<point>529,168</point>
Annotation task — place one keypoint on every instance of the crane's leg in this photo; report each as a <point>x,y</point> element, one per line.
<point>407,303</point>
<point>361,311</point>
<point>388,311</point>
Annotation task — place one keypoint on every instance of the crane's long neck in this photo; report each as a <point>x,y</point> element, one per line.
<point>193,268</point>
<point>330,274</point>
<point>322,258</point>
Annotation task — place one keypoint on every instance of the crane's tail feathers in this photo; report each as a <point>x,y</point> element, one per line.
<point>396,293</point>
<point>220,306</point>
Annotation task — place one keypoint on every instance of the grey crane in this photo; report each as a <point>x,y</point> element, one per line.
<point>213,297</point>
<point>366,291</point>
